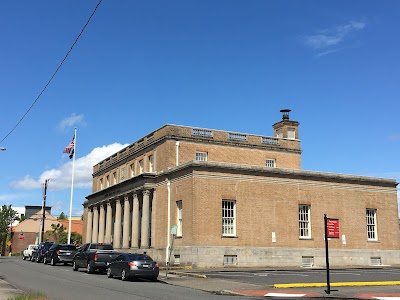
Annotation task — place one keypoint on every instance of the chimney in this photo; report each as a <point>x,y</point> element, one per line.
<point>285,113</point>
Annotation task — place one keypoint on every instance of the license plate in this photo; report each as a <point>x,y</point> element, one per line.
<point>67,253</point>
<point>145,266</point>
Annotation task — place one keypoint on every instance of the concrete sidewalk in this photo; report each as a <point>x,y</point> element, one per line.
<point>8,291</point>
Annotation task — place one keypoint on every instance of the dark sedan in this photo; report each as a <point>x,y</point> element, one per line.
<point>42,248</point>
<point>60,253</point>
<point>133,265</point>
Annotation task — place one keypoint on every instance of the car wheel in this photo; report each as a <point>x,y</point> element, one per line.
<point>109,275</point>
<point>30,258</point>
<point>89,268</point>
<point>74,266</point>
<point>45,260</point>
<point>154,278</point>
<point>52,262</point>
<point>23,257</point>
<point>123,275</point>
<point>37,260</point>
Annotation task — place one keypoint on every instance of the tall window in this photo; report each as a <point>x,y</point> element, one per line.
<point>132,170</point>
<point>115,178</point>
<point>101,184</point>
<point>279,133</point>
<point>228,218</point>
<point>371,224</point>
<point>304,221</point>
<point>151,163</point>
<point>201,156</point>
<point>270,163</point>
<point>179,218</point>
<point>107,180</point>
<point>141,166</point>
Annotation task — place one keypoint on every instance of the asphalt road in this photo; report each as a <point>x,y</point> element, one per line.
<point>62,283</point>
<point>309,275</point>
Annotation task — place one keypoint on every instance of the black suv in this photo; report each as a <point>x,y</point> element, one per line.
<point>41,250</point>
<point>60,253</point>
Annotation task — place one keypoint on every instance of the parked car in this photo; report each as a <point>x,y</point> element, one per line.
<point>42,248</point>
<point>133,265</point>
<point>60,253</point>
<point>94,256</point>
<point>27,253</point>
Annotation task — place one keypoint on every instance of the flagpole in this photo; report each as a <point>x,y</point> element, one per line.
<point>72,189</point>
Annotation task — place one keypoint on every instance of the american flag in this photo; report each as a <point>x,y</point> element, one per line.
<point>70,146</point>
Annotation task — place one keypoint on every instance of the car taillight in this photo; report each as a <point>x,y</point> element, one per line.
<point>96,256</point>
<point>131,264</point>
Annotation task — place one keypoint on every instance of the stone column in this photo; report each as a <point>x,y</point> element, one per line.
<point>127,221</point>
<point>101,224</point>
<point>107,238</point>
<point>135,222</point>
<point>145,234</point>
<point>95,232</point>
<point>89,225</point>
<point>117,225</point>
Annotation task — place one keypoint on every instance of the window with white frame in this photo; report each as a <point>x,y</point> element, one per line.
<point>304,222</point>
<point>291,133</point>
<point>115,178</point>
<point>228,218</point>
<point>279,133</point>
<point>270,163</point>
<point>179,218</point>
<point>107,180</point>
<point>371,224</point>
<point>200,155</point>
<point>151,167</point>
<point>141,166</point>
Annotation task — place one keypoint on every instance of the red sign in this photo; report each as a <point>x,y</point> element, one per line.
<point>332,228</point>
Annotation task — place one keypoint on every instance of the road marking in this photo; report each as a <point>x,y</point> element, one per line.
<point>387,298</point>
<point>283,295</point>
<point>323,284</point>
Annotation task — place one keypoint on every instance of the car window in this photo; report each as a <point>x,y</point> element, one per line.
<point>120,258</point>
<point>104,247</point>
<point>67,247</point>
<point>139,257</point>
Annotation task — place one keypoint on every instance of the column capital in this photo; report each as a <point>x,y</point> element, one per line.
<point>95,207</point>
<point>117,200</point>
<point>146,192</point>
<point>135,195</point>
<point>126,197</point>
<point>108,203</point>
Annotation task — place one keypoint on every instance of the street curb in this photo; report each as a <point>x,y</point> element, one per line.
<point>336,284</point>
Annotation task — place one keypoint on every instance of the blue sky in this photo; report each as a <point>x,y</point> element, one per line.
<point>226,64</point>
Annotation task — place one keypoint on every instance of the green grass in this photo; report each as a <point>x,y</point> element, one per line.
<point>31,296</point>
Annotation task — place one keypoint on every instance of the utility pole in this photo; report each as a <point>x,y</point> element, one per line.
<point>44,209</point>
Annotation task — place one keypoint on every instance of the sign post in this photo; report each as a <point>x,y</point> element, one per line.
<point>331,231</point>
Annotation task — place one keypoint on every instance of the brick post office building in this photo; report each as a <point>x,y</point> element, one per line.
<point>237,199</point>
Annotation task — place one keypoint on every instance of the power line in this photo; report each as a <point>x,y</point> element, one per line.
<point>54,74</point>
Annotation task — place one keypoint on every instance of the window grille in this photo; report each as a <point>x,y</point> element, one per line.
<point>376,261</point>
<point>304,221</point>
<point>201,156</point>
<point>122,173</point>
<point>371,224</point>
<point>269,140</point>
<point>177,259</point>
<point>228,218</point>
<point>230,260</point>
<point>307,261</point>
<point>179,218</point>
<point>270,163</point>
<point>237,137</point>
<point>202,132</point>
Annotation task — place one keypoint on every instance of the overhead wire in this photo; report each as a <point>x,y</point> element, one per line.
<point>54,74</point>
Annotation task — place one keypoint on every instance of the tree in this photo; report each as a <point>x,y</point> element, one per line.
<point>62,216</point>
<point>56,232</point>
<point>7,217</point>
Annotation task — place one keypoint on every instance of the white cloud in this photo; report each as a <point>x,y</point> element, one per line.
<point>61,178</point>
<point>71,121</point>
<point>333,36</point>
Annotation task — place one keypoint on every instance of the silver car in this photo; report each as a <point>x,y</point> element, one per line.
<point>133,265</point>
